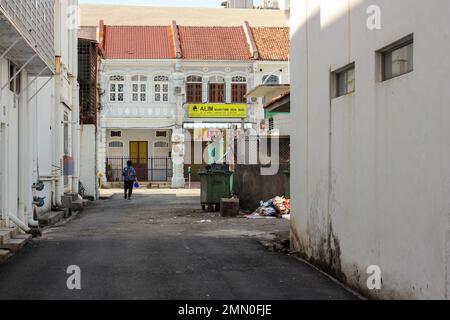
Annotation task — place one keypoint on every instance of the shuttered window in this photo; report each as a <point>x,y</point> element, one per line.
<point>217,89</point>
<point>238,89</point>
<point>194,92</point>
<point>216,93</point>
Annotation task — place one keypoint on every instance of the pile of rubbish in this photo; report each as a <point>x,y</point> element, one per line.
<point>278,207</point>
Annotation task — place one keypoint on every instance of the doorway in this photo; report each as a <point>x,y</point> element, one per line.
<point>139,156</point>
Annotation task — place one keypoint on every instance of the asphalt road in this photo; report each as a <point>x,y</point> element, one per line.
<point>161,246</point>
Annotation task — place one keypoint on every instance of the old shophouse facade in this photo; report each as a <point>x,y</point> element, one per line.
<point>159,83</point>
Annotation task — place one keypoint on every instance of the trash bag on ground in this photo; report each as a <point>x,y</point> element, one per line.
<point>277,207</point>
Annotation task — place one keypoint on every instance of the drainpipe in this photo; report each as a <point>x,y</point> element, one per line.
<point>19,223</point>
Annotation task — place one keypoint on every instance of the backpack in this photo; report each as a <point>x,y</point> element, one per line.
<point>129,174</point>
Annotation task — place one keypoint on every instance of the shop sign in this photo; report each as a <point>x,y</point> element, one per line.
<point>218,111</point>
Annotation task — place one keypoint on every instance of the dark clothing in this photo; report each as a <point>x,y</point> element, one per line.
<point>129,185</point>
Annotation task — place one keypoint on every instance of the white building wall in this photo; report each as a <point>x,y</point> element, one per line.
<point>67,92</point>
<point>10,141</point>
<point>31,127</point>
<point>283,123</point>
<point>41,130</point>
<point>88,160</point>
<point>376,192</point>
<point>264,69</point>
<point>129,135</point>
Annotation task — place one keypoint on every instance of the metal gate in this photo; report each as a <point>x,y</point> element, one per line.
<point>158,169</point>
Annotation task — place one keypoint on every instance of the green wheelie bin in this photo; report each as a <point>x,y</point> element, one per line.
<point>215,185</point>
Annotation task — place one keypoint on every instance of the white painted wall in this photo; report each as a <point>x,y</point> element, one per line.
<point>283,123</point>
<point>9,118</point>
<point>128,136</point>
<point>279,69</point>
<point>32,128</point>
<point>376,193</point>
<point>88,160</point>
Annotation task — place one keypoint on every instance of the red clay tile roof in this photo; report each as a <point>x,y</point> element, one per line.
<point>273,43</point>
<point>128,42</point>
<point>214,43</point>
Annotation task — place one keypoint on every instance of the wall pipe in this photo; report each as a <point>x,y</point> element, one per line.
<point>19,223</point>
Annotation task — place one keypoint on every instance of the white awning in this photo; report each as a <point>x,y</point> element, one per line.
<point>268,89</point>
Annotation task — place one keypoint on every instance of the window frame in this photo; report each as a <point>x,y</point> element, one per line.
<point>161,92</point>
<point>217,89</point>
<point>14,85</point>
<point>161,134</point>
<point>266,79</point>
<point>383,53</point>
<point>237,85</point>
<point>116,91</point>
<point>194,89</point>
<point>122,145</point>
<point>335,77</point>
<point>141,81</point>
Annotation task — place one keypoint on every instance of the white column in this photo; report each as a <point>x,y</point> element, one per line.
<point>75,134</point>
<point>178,147</point>
<point>228,89</point>
<point>205,88</point>
<point>178,152</point>
<point>102,152</point>
<point>25,156</point>
<point>58,138</point>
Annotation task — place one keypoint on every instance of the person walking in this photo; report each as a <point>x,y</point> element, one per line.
<point>129,178</point>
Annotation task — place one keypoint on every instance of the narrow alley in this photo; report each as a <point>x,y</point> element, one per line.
<point>161,245</point>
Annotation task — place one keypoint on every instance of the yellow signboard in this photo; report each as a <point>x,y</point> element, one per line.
<point>215,110</point>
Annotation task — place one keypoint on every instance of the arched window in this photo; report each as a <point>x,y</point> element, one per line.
<point>238,89</point>
<point>161,144</point>
<point>160,149</point>
<point>216,89</point>
<point>239,79</point>
<point>116,88</point>
<point>115,149</point>
<point>272,79</point>
<point>139,88</point>
<point>194,92</point>
<point>161,89</point>
<point>116,144</point>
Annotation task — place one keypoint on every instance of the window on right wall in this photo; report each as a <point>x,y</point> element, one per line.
<point>344,81</point>
<point>398,58</point>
